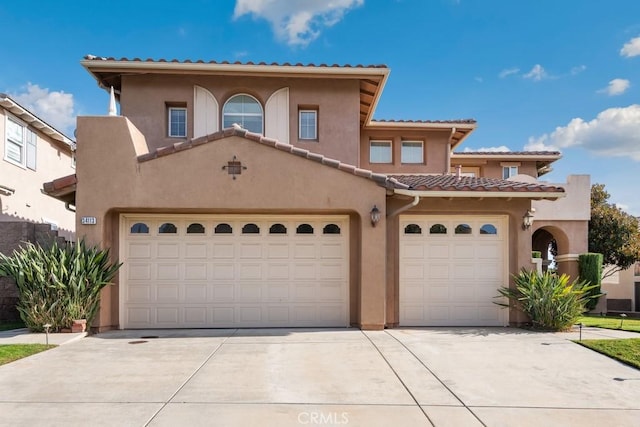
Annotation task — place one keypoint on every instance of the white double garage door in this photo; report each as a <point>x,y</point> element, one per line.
<point>451,268</point>
<point>234,271</point>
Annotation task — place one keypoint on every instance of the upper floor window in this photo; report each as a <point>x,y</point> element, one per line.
<point>308,124</point>
<point>245,111</point>
<point>177,122</point>
<point>412,152</point>
<point>20,144</point>
<point>509,171</point>
<point>380,152</point>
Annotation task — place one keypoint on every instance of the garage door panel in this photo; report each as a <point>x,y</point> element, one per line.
<point>195,250</point>
<point>462,272</point>
<point>195,271</point>
<point>139,250</point>
<point>281,276</point>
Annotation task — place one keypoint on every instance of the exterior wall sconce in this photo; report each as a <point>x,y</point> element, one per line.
<point>527,219</point>
<point>375,216</point>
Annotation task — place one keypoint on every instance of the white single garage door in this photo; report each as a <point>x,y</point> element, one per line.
<point>451,268</point>
<point>234,271</point>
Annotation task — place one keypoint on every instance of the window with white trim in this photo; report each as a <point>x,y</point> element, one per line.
<point>21,144</point>
<point>380,152</point>
<point>245,111</point>
<point>509,171</point>
<point>177,122</point>
<point>412,152</point>
<point>308,128</point>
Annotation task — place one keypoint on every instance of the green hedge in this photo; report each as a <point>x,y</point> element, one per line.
<point>536,254</point>
<point>590,271</point>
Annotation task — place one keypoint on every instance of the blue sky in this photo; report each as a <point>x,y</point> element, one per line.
<point>535,74</point>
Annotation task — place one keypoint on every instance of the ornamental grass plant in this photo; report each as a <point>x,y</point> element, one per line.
<point>551,301</point>
<point>59,283</point>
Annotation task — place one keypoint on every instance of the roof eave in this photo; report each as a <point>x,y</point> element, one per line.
<point>547,195</point>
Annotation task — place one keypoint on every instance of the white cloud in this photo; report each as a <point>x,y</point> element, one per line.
<point>478,79</point>
<point>55,108</point>
<point>578,69</point>
<point>499,149</point>
<point>615,132</point>
<point>537,73</point>
<point>507,72</point>
<point>631,48</point>
<point>296,22</point>
<point>616,87</point>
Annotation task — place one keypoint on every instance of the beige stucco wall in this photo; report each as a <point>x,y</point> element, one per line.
<point>28,202</point>
<point>493,168</point>
<point>144,99</point>
<point>435,150</point>
<point>575,206</point>
<point>621,285</point>
<point>519,246</point>
<point>111,181</point>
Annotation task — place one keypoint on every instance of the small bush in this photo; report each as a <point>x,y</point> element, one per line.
<point>58,284</point>
<point>590,271</point>
<point>536,254</point>
<point>550,300</point>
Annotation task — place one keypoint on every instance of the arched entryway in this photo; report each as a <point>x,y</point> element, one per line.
<point>554,245</point>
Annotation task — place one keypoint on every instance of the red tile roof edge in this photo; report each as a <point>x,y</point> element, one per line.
<point>380,179</point>
<point>261,63</point>
<point>457,121</point>
<point>453,183</point>
<point>508,153</point>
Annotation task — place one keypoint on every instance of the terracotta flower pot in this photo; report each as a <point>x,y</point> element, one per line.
<point>79,325</point>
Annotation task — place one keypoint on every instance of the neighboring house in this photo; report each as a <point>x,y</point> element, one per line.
<point>33,152</point>
<point>623,289</point>
<point>248,195</point>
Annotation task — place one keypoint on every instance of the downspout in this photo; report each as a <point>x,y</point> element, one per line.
<point>447,167</point>
<point>416,200</point>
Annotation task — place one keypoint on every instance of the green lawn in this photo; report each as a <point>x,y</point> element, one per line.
<point>11,325</point>
<point>611,322</point>
<point>625,350</point>
<point>11,352</point>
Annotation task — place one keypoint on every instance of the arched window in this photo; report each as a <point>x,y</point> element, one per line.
<point>438,229</point>
<point>139,228</point>
<point>331,229</point>
<point>463,229</point>
<point>250,229</point>
<point>277,229</point>
<point>167,228</point>
<point>195,228</point>
<point>488,229</point>
<point>304,229</point>
<point>223,229</point>
<point>413,229</point>
<point>244,110</point>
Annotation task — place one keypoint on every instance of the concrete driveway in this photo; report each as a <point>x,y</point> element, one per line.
<point>400,377</point>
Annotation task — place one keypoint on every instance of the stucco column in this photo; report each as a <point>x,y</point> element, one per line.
<point>373,274</point>
<point>568,264</point>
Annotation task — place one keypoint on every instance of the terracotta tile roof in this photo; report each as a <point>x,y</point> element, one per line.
<point>380,179</point>
<point>456,121</point>
<point>201,61</point>
<point>466,183</point>
<point>62,188</point>
<point>507,153</point>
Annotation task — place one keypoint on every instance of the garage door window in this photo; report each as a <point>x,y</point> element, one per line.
<point>250,229</point>
<point>304,229</point>
<point>488,229</point>
<point>223,229</point>
<point>195,228</point>
<point>331,229</point>
<point>438,229</point>
<point>139,228</point>
<point>463,229</point>
<point>413,229</point>
<point>167,228</point>
<point>277,229</point>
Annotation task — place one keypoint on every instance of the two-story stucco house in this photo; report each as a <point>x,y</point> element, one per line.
<point>32,152</point>
<point>249,195</point>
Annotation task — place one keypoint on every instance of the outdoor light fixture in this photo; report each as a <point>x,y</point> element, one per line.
<point>527,219</point>
<point>375,215</point>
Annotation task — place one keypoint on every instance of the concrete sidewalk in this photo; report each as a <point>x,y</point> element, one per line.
<point>23,336</point>
<point>406,376</point>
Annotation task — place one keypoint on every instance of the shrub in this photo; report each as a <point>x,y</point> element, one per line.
<point>58,284</point>
<point>536,254</point>
<point>590,271</point>
<point>550,300</point>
